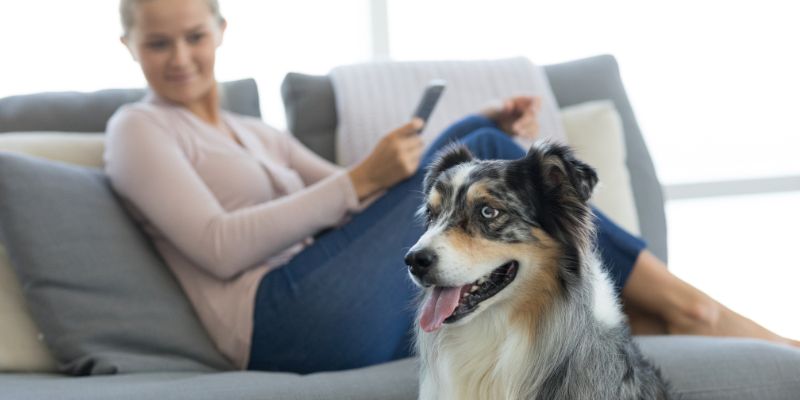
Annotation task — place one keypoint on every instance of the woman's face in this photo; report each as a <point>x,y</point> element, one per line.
<point>175,42</point>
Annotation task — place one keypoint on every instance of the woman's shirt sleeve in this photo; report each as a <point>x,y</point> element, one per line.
<point>147,165</point>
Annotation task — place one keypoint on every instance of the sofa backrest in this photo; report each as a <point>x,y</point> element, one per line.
<point>309,101</point>
<point>311,116</point>
<point>89,112</point>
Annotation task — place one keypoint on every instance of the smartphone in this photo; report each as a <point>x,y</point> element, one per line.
<point>433,92</point>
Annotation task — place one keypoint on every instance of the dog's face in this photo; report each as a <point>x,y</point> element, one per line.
<point>490,224</point>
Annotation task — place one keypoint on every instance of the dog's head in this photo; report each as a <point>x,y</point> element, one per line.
<point>491,224</point>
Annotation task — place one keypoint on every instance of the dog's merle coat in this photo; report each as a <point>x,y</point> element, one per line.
<point>543,325</point>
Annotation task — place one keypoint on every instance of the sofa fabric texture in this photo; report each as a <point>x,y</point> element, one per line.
<point>365,112</point>
<point>89,112</point>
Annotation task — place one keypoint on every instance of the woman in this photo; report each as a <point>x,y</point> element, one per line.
<point>232,206</point>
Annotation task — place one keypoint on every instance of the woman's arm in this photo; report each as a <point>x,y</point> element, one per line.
<point>147,165</point>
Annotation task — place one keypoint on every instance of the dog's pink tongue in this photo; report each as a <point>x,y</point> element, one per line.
<point>440,305</point>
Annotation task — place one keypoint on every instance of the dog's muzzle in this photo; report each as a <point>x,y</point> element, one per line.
<point>420,262</point>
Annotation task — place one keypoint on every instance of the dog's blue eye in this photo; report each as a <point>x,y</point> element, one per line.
<point>489,212</point>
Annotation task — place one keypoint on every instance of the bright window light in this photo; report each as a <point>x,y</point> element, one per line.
<point>75,45</point>
<point>714,83</point>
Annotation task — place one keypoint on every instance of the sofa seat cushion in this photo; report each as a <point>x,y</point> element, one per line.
<point>103,300</point>
<point>391,381</point>
<point>698,368</point>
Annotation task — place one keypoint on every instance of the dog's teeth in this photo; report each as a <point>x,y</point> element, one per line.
<point>474,288</point>
<point>482,280</point>
<point>465,295</point>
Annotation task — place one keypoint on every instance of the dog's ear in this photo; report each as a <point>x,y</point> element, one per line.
<point>562,173</point>
<point>560,186</point>
<point>450,156</point>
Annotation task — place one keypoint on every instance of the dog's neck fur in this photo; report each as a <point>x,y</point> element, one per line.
<point>492,358</point>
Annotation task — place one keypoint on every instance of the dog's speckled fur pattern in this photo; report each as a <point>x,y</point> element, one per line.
<point>556,331</point>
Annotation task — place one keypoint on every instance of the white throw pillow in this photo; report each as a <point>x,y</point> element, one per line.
<point>21,350</point>
<point>594,130</point>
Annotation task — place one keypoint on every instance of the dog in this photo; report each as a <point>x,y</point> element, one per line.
<point>515,303</point>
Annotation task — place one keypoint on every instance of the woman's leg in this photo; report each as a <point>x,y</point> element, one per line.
<point>658,302</point>
<point>346,301</point>
<point>663,303</point>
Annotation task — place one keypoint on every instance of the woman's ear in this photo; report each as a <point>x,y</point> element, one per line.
<point>223,24</point>
<point>126,41</point>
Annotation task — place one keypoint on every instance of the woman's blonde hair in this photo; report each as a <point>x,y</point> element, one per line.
<point>126,13</point>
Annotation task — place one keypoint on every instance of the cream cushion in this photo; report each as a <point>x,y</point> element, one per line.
<point>20,347</point>
<point>84,149</point>
<point>594,131</point>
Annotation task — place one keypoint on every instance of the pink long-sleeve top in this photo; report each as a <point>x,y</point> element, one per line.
<point>221,214</point>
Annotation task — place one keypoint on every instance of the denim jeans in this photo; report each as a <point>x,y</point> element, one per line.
<point>346,301</point>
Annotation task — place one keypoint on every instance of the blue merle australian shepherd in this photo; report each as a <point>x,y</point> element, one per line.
<point>516,304</point>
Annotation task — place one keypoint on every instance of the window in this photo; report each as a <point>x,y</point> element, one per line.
<point>74,45</point>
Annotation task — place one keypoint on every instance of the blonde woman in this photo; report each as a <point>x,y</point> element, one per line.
<point>288,265</point>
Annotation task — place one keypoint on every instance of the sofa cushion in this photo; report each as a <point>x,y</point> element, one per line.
<point>21,347</point>
<point>103,300</point>
<point>396,380</point>
<point>594,131</point>
<point>311,112</point>
<point>89,112</point>
<point>74,148</point>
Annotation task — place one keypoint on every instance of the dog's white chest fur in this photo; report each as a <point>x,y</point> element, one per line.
<point>473,361</point>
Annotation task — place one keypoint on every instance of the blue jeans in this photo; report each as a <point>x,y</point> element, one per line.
<point>346,301</point>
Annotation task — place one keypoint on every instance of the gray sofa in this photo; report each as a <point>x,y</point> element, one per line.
<point>698,367</point>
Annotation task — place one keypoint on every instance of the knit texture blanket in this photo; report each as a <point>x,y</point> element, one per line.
<point>374,98</point>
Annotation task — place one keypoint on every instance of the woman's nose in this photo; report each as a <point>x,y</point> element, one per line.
<point>181,54</point>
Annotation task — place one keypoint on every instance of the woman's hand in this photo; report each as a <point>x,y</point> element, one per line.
<point>394,158</point>
<point>517,116</point>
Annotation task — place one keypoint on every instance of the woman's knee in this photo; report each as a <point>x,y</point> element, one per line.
<point>492,143</point>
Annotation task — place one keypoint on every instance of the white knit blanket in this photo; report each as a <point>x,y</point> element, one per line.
<point>374,98</point>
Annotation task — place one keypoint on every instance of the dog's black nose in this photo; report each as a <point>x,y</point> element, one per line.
<point>420,261</point>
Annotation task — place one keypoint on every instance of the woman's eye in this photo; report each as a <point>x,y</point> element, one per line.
<point>157,45</point>
<point>489,212</point>
<point>196,37</point>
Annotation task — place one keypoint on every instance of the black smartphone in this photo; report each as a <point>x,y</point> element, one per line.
<point>433,92</point>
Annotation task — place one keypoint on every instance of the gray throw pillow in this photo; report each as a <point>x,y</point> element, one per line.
<point>310,107</point>
<point>103,299</point>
